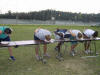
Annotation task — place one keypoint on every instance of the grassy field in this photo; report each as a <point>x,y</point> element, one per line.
<point>26,63</point>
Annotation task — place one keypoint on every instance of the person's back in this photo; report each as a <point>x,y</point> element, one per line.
<point>76,33</point>
<point>61,33</point>
<point>2,32</point>
<point>42,33</point>
<point>88,32</point>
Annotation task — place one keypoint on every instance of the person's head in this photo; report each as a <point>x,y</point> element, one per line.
<point>79,35</point>
<point>7,31</point>
<point>48,37</point>
<point>95,34</point>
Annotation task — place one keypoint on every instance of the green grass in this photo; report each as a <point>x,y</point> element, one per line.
<point>26,63</point>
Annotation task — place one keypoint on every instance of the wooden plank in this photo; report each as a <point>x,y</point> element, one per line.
<point>33,42</point>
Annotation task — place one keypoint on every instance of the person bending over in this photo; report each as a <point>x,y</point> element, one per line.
<point>74,35</point>
<point>5,33</point>
<point>42,35</point>
<point>89,34</point>
<point>60,34</point>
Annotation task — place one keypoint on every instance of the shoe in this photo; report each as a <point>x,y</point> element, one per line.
<point>12,58</point>
<point>86,51</point>
<point>59,58</point>
<point>72,53</point>
<point>46,55</point>
<point>37,57</point>
<point>89,51</point>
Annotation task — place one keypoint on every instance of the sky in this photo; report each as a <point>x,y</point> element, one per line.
<point>83,6</point>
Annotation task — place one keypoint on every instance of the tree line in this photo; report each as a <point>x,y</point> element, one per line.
<point>53,15</point>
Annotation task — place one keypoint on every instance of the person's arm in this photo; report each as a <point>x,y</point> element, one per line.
<point>0,32</point>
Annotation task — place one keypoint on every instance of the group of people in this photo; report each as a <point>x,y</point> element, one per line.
<point>61,34</point>
<point>75,35</point>
<point>44,35</point>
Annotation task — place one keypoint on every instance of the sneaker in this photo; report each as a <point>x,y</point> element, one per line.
<point>59,58</point>
<point>72,53</point>
<point>47,55</point>
<point>12,58</point>
<point>37,57</point>
<point>86,51</point>
<point>89,51</point>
